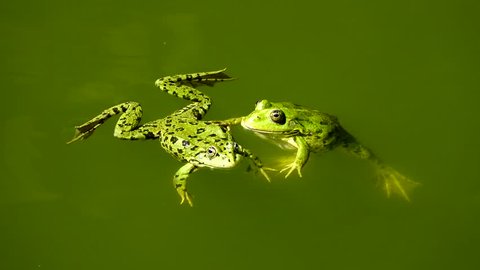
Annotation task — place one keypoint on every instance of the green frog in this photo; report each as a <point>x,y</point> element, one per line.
<point>307,130</point>
<point>182,134</point>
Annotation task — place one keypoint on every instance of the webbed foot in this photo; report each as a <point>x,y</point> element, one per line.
<point>394,182</point>
<point>291,167</point>
<point>78,136</point>
<point>262,170</point>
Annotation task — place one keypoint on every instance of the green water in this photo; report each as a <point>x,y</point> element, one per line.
<point>403,76</point>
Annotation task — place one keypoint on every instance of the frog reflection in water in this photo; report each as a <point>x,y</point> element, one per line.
<point>182,134</point>
<point>307,130</point>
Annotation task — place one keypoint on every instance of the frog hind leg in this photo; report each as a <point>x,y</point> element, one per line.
<point>184,86</point>
<point>127,126</point>
<point>180,182</point>
<point>393,182</point>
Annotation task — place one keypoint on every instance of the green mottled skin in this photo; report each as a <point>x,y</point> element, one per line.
<point>308,130</point>
<point>182,134</point>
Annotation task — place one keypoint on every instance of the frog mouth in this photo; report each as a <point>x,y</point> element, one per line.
<point>245,125</point>
<point>263,131</point>
<point>269,133</point>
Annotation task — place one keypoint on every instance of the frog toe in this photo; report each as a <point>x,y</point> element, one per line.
<point>185,196</point>
<point>291,168</point>
<point>264,173</point>
<point>395,183</point>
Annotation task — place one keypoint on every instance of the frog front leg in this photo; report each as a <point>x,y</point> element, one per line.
<point>127,125</point>
<point>301,157</point>
<point>255,160</point>
<point>228,122</point>
<point>180,182</point>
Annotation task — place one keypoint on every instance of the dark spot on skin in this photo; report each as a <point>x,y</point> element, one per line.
<point>115,110</point>
<point>185,143</point>
<point>196,114</point>
<point>180,151</point>
<point>189,77</point>
<point>173,139</point>
<point>149,135</point>
<point>194,148</point>
<point>224,128</point>
<point>179,129</point>
<point>200,130</point>
<point>212,135</point>
<point>178,185</point>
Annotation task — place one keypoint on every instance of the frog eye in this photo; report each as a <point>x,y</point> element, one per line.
<point>278,117</point>
<point>211,152</point>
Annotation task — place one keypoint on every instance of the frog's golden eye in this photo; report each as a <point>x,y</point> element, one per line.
<point>211,152</point>
<point>278,117</point>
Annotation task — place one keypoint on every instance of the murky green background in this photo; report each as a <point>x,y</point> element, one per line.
<point>403,76</point>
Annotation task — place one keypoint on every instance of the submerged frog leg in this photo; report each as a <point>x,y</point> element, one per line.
<point>300,159</point>
<point>394,182</point>
<point>391,181</point>
<point>255,160</point>
<point>180,182</point>
<point>183,86</point>
<point>127,125</point>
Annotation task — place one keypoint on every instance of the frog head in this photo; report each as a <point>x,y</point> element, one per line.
<point>276,118</point>
<point>218,155</point>
<point>213,148</point>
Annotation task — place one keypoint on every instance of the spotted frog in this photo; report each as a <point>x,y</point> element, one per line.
<point>182,134</point>
<point>307,130</point>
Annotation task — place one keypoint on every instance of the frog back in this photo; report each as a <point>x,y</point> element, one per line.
<point>193,141</point>
<point>321,131</point>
